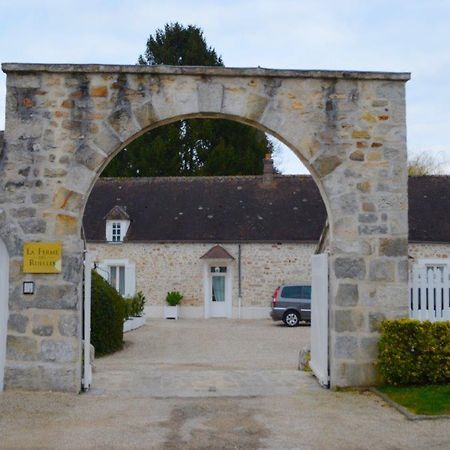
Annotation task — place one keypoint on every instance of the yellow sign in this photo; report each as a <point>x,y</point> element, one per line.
<point>42,257</point>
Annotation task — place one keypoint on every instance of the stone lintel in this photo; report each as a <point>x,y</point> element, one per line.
<point>205,71</point>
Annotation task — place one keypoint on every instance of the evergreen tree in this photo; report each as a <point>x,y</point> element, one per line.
<point>195,146</point>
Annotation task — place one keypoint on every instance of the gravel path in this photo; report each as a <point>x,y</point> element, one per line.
<point>216,384</point>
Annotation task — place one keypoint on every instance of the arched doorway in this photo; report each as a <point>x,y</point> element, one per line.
<point>4,288</point>
<point>64,123</point>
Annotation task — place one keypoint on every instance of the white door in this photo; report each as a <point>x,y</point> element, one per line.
<point>319,318</point>
<point>218,295</point>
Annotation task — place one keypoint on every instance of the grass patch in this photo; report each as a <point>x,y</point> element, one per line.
<point>429,400</point>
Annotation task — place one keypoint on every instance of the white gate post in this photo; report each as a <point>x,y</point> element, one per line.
<point>87,369</point>
<point>319,319</point>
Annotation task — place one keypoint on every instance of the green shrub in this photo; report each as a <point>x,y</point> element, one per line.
<point>134,306</point>
<point>107,313</point>
<point>413,352</point>
<point>173,298</point>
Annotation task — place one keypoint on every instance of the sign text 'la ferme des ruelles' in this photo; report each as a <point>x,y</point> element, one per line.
<point>42,257</point>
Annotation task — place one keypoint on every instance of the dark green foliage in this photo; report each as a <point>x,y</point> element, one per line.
<point>134,306</point>
<point>177,45</point>
<point>174,298</point>
<point>414,352</point>
<point>107,312</point>
<point>196,147</point>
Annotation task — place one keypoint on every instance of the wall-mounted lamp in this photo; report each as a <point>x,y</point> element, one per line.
<point>28,287</point>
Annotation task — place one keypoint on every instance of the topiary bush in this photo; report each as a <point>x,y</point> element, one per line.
<point>414,352</point>
<point>173,298</point>
<point>107,313</point>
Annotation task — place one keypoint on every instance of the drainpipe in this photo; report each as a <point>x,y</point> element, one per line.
<point>239,282</point>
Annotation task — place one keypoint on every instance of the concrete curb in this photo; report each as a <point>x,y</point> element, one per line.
<point>408,414</point>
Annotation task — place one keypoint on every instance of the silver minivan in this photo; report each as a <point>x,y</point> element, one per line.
<point>291,303</point>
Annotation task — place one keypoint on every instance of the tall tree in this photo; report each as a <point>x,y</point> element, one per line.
<point>196,146</point>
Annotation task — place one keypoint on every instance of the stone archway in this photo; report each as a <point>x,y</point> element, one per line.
<point>64,123</point>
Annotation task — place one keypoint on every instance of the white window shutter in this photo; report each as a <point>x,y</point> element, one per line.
<point>130,279</point>
<point>108,231</point>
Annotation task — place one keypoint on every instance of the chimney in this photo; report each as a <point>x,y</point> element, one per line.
<point>268,169</point>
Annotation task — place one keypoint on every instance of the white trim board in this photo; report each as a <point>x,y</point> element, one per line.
<point>4,291</point>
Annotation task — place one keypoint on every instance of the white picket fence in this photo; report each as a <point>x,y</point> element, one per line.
<point>429,293</point>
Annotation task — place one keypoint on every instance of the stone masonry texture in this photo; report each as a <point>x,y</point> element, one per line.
<point>65,122</point>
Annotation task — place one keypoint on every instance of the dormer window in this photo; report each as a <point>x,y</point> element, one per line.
<point>117,224</point>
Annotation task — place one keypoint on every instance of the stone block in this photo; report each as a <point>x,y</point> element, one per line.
<point>210,97</point>
<point>42,324</point>
<point>43,377</point>
<point>368,230</point>
<point>66,225</point>
<point>369,347</point>
<point>348,267</point>
<point>17,322</point>
<point>382,270</point>
<point>324,165</point>
<point>57,296</point>
<point>345,347</point>
<point>79,179</point>
<point>68,325</point>
<point>347,295</point>
<point>393,247</point>
<point>375,319</point>
<point>33,226</point>
<point>367,218</point>
<point>66,199</point>
<point>21,348</point>
<point>58,351</point>
<point>89,157</point>
<point>357,155</point>
<point>347,320</point>
<point>146,115</point>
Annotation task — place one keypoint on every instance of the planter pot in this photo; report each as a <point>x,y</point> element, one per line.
<point>133,323</point>
<point>171,312</point>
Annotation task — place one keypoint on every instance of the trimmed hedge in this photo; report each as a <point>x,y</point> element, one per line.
<point>412,352</point>
<point>107,313</point>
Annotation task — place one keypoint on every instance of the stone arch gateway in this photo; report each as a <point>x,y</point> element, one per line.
<point>65,122</point>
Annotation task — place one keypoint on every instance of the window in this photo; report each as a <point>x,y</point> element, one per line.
<point>220,269</point>
<point>297,292</point>
<point>117,278</point>
<point>116,232</point>
<point>120,274</point>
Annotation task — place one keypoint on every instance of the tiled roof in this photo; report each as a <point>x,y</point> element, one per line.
<point>210,209</point>
<point>244,208</point>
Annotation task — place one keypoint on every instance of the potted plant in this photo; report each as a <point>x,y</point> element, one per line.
<point>173,299</point>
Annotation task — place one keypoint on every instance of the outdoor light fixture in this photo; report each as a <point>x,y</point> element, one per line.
<point>28,287</point>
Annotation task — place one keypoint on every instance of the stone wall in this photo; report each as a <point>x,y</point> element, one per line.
<point>428,250</point>
<point>162,267</point>
<point>64,123</point>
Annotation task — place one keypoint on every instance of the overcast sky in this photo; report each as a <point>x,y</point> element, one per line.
<point>386,35</point>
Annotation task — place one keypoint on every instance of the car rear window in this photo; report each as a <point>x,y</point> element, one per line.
<point>296,292</point>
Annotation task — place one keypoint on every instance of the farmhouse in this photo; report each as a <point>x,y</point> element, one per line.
<point>244,235</point>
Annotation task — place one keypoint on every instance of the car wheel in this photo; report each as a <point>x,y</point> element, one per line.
<point>291,318</point>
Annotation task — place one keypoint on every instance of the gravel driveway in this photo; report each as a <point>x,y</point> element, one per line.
<point>216,384</point>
